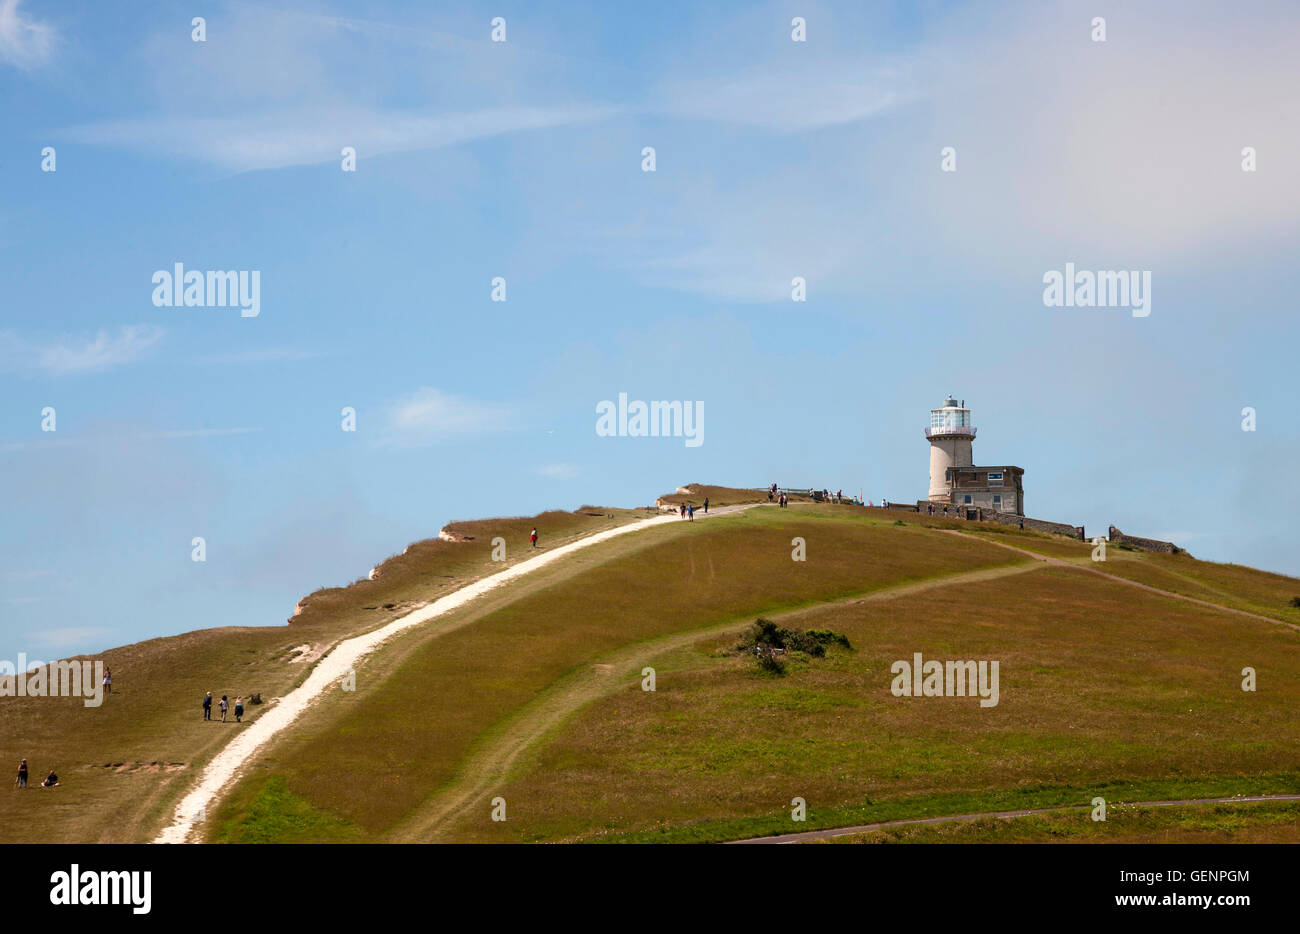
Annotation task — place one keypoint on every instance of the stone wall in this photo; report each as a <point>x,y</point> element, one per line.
<point>988,514</point>
<point>1143,544</point>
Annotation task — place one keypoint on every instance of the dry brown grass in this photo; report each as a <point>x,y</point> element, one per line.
<point>153,716</point>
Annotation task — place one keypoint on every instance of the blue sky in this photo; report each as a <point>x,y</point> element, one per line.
<point>522,159</point>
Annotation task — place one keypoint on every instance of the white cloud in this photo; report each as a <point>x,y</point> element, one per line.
<point>790,101</point>
<point>26,43</point>
<point>310,135</point>
<point>264,355</point>
<point>200,433</point>
<point>102,352</point>
<point>69,355</point>
<point>429,415</point>
<point>558,471</point>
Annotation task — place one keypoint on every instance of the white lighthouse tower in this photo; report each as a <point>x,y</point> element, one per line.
<point>950,434</point>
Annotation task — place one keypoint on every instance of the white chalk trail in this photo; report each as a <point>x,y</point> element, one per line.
<point>343,658</point>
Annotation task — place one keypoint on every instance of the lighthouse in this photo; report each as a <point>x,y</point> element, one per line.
<point>950,435</point>
<point>954,478</point>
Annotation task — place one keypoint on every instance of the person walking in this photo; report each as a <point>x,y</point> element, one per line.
<point>108,681</point>
<point>224,704</point>
<point>681,510</point>
<point>690,512</point>
<point>239,710</point>
<point>533,538</point>
<point>207,706</point>
<point>21,780</point>
<point>706,505</point>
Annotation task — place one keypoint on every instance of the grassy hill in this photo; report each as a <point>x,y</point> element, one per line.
<point>533,693</point>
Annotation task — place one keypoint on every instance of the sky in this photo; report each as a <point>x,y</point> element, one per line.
<point>524,160</point>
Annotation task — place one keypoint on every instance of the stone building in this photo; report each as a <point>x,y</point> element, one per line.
<point>954,478</point>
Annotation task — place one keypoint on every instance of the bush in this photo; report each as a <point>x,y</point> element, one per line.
<point>771,664</point>
<point>1295,601</point>
<point>813,642</point>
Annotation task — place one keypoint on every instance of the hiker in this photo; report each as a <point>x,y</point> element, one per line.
<point>207,706</point>
<point>770,495</point>
<point>239,710</point>
<point>690,512</point>
<point>108,681</point>
<point>21,780</point>
<point>706,505</point>
<point>681,510</point>
<point>224,705</point>
<point>50,780</point>
<point>1022,524</point>
<point>533,538</point>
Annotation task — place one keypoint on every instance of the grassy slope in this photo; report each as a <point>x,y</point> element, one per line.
<point>1218,823</point>
<point>120,763</point>
<point>409,735</point>
<point>362,765</point>
<point>1102,687</point>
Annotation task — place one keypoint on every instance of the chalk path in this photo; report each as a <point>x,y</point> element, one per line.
<point>345,656</point>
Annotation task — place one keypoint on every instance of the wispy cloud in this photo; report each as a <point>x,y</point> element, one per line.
<point>264,355</point>
<point>558,471</point>
<point>790,101</point>
<point>430,415</point>
<point>70,355</point>
<point>199,433</point>
<point>311,135</point>
<point>24,42</point>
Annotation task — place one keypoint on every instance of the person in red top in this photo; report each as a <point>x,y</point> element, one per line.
<point>533,538</point>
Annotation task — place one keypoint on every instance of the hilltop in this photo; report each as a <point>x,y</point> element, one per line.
<point>1120,679</point>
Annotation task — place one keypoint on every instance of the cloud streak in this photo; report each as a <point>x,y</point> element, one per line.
<point>25,43</point>
<point>74,355</point>
<point>430,415</point>
<point>311,135</point>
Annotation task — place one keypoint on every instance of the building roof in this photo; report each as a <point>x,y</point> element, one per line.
<point>1004,469</point>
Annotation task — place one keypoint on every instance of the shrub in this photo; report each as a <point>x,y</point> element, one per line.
<point>1295,601</point>
<point>813,642</point>
<point>771,664</point>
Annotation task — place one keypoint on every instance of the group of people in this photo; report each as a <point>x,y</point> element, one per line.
<point>21,782</point>
<point>777,496</point>
<point>224,706</point>
<point>687,510</point>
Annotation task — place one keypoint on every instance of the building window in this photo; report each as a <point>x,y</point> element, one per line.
<point>995,479</point>
<point>997,502</point>
<point>966,500</point>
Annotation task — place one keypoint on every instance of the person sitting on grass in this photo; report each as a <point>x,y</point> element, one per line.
<point>50,780</point>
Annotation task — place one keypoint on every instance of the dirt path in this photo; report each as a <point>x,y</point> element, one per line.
<point>1062,562</point>
<point>344,657</point>
<point>812,835</point>
<point>489,763</point>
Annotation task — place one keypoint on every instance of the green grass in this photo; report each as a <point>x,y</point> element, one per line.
<point>1255,822</point>
<point>277,815</point>
<point>1102,686</point>
<point>124,765</point>
<point>420,721</point>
